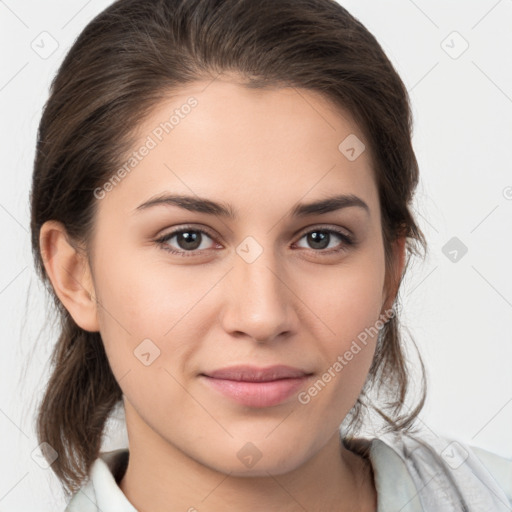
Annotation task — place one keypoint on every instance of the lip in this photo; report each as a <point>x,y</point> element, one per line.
<point>249,373</point>
<point>257,387</point>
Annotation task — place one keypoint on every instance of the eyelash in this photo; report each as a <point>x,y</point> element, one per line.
<point>347,240</point>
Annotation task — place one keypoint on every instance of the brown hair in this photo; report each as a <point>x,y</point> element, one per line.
<point>126,60</point>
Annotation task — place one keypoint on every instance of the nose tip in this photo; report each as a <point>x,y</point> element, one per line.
<point>257,301</point>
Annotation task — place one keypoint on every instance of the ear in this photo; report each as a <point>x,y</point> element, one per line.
<point>70,275</point>
<point>393,280</point>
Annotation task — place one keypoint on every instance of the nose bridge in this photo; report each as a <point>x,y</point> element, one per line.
<point>259,299</point>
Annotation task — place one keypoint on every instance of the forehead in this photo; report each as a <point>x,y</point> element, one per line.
<point>250,147</point>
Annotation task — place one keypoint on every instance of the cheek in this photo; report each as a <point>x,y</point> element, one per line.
<point>143,301</point>
<point>348,299</point>
<point>349,303</point>
<point>143,327</point>
<point>351,310</point>
<point>142,296</point>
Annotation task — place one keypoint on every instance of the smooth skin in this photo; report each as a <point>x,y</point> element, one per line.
<point>261,152</point>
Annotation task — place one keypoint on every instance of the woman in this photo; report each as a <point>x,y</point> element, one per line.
<point>221,211</point>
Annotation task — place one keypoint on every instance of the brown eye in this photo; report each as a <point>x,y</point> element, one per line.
<point>188,240</point>
<point>321,239</point>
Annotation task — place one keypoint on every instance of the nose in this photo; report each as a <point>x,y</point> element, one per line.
<point>258,300</point>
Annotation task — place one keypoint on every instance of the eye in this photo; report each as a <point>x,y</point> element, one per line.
<point>321,238</point>
<point>189,240</point>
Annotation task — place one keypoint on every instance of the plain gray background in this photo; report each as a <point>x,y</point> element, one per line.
<point>454,58</point>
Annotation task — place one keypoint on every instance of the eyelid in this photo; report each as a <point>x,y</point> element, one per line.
<point>347,240</point>
<point>303,231</point>
<point>187,227</point>
<point>327,227</point>
<point>192,227</point>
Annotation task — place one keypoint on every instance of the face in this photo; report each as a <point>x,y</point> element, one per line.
<point>182,293</point>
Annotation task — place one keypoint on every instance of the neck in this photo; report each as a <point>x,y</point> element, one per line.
<point>160,477</point>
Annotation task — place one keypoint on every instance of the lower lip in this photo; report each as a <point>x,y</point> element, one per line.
<point>257,394</point>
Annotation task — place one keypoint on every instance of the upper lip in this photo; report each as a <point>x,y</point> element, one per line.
<point>254,374</point>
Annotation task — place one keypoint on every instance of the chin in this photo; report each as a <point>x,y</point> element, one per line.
<point>251,461</point>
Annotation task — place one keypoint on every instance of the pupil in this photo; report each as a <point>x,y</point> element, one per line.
<point>318,239</point>
<point>190,240</point>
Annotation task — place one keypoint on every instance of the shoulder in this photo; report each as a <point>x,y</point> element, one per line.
<point>101,493</point>
<point>447,474</point>
<point>498,466</point>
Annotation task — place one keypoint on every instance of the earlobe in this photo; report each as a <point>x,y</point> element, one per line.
<point>70,275</point>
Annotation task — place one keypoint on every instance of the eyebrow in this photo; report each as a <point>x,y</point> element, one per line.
<point>219,209</point>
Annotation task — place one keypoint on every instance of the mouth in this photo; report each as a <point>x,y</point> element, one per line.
<point>257,387</point>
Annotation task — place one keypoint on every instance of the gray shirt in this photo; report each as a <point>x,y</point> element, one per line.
<point>419,472</point>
